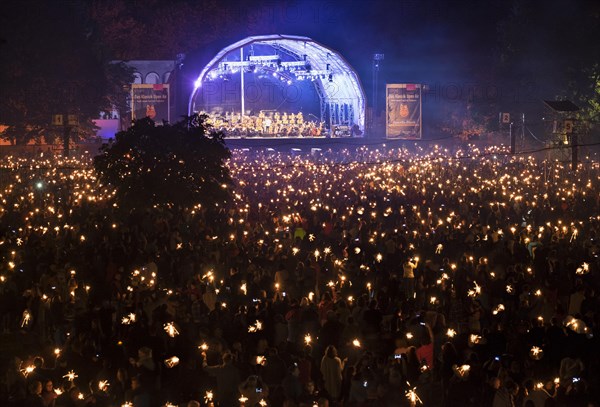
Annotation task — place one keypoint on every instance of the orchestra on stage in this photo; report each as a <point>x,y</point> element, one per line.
<point>266,124</point>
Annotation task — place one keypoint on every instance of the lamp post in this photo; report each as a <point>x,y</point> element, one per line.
<point>377,58</point>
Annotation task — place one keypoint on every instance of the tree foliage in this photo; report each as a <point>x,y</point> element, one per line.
<point>181,164</point>
<point>156,29</point>
<point>50,66</point>
<point>547,50</point>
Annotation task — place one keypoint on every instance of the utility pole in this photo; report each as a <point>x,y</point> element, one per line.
<point>513,139</point>
<point>568,127</point>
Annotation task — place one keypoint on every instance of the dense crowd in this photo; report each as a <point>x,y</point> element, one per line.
<point>371,277</point>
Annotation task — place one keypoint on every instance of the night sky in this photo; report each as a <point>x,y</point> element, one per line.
<point>487,56</point>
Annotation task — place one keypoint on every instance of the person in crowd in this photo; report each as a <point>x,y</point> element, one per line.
<point>501,311</point>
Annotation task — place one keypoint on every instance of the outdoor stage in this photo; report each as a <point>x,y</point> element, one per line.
<point>280,89</point>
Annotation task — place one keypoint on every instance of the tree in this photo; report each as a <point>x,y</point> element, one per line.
<point>546,52</point>
<point>50,66</point>
<point>181,164</point>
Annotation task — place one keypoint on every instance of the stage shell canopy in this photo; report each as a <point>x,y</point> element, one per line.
<point>297,58</point>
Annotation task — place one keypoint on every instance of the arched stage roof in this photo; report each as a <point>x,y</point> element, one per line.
<point>335,80</point>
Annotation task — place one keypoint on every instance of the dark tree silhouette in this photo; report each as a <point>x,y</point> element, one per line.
<point>181,164</point>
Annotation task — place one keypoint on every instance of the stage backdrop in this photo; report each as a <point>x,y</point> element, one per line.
<point>403,111</point>
<point>150,100</point>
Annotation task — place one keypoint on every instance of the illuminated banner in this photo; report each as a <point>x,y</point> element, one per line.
<point>150,101</point>
<point>403,111</point>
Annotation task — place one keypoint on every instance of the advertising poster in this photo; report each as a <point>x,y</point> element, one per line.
<point>150,101</point>
<point>403,111</point>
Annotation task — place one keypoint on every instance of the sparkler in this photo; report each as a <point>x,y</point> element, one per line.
<point>475,339</point>
<point>27,370</point>
<point>498,309</point>
<point>413,397</point>
<point>584,269</point>
<point>203,347</point>
<point>356,343</point>
<point>475,291</point>
<point>103,385</point>
<point>26,319</point>
<point>450,333</point>
<point>171,330</point>
<point>307,339</point>
<point>171,362</point>
<point>536,353</point>
<point>462,371</point>
<point>261,360</point>
<point>256,327</point>
<point>71,375</point>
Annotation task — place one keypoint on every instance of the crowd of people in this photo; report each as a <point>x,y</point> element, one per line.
<point>372,277</point>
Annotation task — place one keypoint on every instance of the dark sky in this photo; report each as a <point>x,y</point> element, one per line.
<point>445,44</point>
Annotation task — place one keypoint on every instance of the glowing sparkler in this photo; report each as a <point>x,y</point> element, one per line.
<point>70,376</point>
<point>27,370</point>
<point>256,327</point>
<point>171,330</point>
<point>171,362</point>
<point>413,397</point>
<point>450,333</point>
<point>26,318</point>
<point>463,371</point>
<point>536,353</point>
<point>500,308</point>
<point>475,339</point>
<point>584,269</point>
